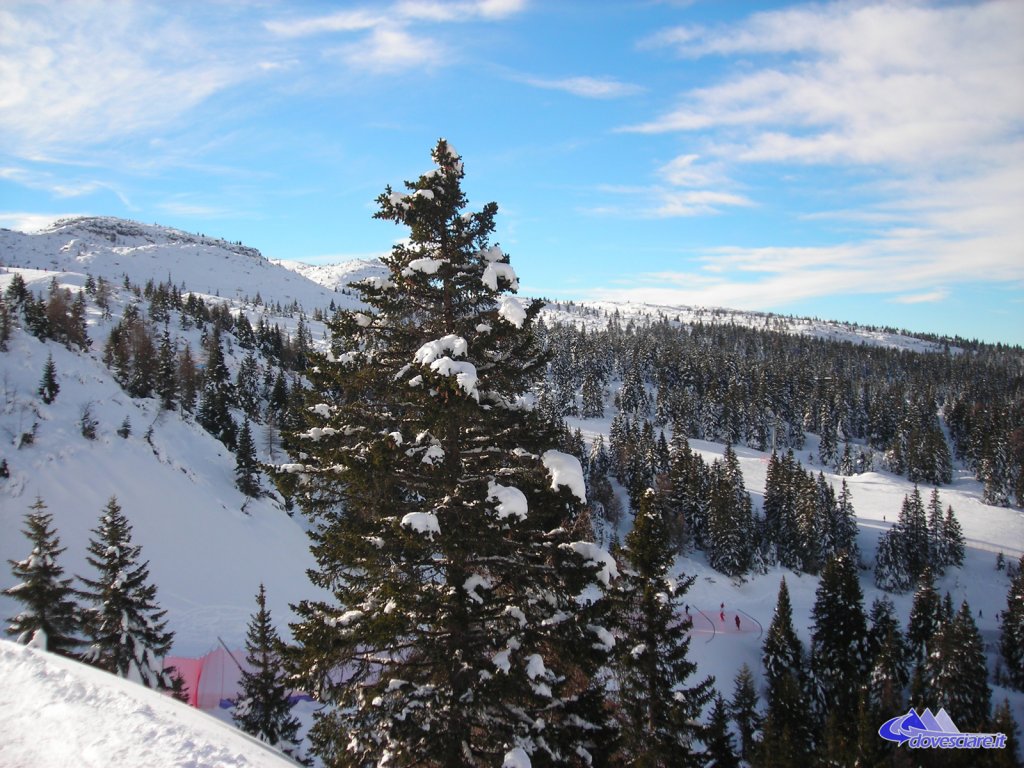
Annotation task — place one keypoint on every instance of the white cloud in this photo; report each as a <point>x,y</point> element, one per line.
<point>926,97</point>
<point>392,49</point>
<point>21,221</point>
<point>587,87</point>
<point>891,82</point>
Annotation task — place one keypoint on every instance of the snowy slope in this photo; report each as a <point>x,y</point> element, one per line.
<point>111,248</point>
<point>56,712</point>
<point>209,547</point>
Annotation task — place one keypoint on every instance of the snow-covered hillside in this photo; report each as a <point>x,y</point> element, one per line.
<point>56,712</point>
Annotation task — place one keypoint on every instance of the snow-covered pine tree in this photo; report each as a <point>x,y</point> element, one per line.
<point>263,708</point>
<point>656,709</point>
<point>49,616</point>
<point>890,566</point>
<point>924,618</point>
<point>938,557</point>
<point>125,627</point>
<point>954,536</point>
<point>1011,639</point>
<point>454,635</point>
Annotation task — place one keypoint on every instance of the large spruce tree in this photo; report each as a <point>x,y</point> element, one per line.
<point>125,627</point>
<point>454,634</point>
<point>48,616</point>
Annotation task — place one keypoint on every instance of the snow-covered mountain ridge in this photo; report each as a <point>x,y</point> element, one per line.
<point>112,248</point>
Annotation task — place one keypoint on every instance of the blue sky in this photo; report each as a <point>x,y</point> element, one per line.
<point>849,160</point>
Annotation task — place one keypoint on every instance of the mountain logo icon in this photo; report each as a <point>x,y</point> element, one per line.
<point>935,731</point>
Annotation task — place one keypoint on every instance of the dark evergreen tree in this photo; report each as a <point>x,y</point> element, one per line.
<point>954,539</point>
<point>48,617</point>
<point>247,468</point>
<point>656,709</point>
<point>442,515</point>
<point>957,675</point>
<point>214,412</point>
<point>787,730</point>
<point>188,379</point>
<point>924,618</point>
<point>1003,722</point>
<point>743,710</point>
<point>891,572</point>
<point>167,373</point>
<point>1011,639</point>
<point>730,521</point>
<point>719,743</point>
<point>126,629</point>
<point>839,635</point>
<point>263,708</point>
<point>48,386</point>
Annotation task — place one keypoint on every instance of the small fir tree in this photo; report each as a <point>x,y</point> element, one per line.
<point>48,385</point>
<point>720,747</point>
<point>247,471</point>
<point>743,710</point>
<point>263,708</point>
<point>126,629</point>
<point>49,616</point>
<point>214,413</point>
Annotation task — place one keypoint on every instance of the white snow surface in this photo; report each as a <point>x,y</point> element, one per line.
<point>57,712</point>
<point>511,501</point>
<point>422,522</point>
<point>513,310</point>
<point>565,470</point>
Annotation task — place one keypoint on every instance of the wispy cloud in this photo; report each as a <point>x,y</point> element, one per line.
<point>922,298</point>
<point>387,37</point>
<point>85,73</point>
<point>587,87</point>
<point>687,187</point>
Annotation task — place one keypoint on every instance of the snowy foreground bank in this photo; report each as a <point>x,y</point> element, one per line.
<point>55,712</point>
